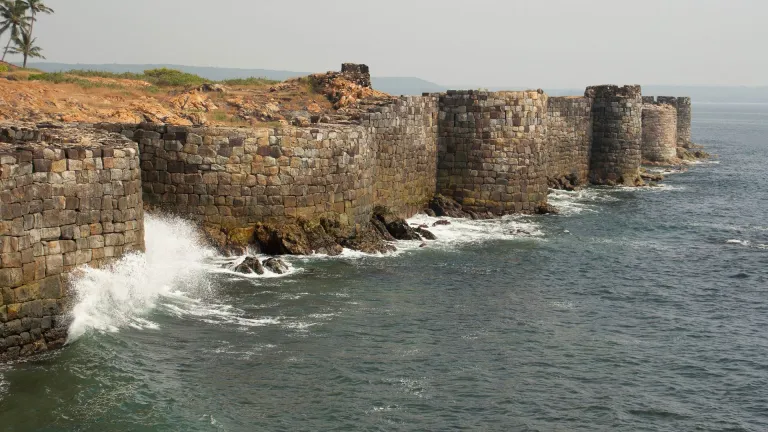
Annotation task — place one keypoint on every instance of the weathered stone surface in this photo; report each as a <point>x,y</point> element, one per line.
<point>659,133</point>
<point>276,265</point>
<point>616,134</point>
<point>491,150</point>
<point>250,265</point>
<point>62,184</point>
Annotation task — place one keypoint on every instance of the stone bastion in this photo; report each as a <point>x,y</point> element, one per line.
<point>68,198</point>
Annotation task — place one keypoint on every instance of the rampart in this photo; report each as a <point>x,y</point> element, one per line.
<point>616,134</point>
<point>684,115</point>
<point>75,195</point>
<point>491,150</point>
<point>659,133</point>
<point>67,198</point>
<point>569,139</point>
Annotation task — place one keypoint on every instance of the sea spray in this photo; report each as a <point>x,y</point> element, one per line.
<point>117,296</point>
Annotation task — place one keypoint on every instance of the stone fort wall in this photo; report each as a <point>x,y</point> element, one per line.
<point>659,133</point>
<point>235,177</point>
<point>684,114</point>
<point>491,150</point>
<point>569,138</point>
<point>404,136</point>
<point>616,134</point>
<point>65,201</point>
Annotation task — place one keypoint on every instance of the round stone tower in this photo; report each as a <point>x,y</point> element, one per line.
<point>659,133</point>
<point>616,134</point>
<point>683,106</point>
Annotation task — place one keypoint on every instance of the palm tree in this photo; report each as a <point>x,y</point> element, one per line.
<point>25,45</point>
<point>35,7</point>
<point>13,14</point>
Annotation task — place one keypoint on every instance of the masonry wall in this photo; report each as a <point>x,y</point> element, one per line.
<point>684,114</point>
<point>65,201</point>
<point>404,136</point>
<point>616,134</point>
<point>659,133</point>
<point>491,154</point>
<point>569,138</point>
<point>234,177</point>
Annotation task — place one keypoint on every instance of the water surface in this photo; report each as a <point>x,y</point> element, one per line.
<point>636,309</point>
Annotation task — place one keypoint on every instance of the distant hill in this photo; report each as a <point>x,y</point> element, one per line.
<point>417,86</point>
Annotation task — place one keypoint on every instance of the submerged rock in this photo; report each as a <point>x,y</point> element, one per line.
<point>441,222</point>
<point>426,233</point>
<point>276,265</point>
<point>249,266</point>
<point>543,209</point>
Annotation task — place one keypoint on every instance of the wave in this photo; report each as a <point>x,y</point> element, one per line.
<point>118,295</point>
<point>747,243</point>
<point>583,200</point>
<point>178,272</point>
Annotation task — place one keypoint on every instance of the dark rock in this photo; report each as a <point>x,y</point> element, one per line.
<point>647,176</point>
<point>370,240</point>
<point>426,233</point>
<point>543,209</point>
<point>381,229</point>
<point>430,212</point>
<point>276,265</point>
<point>250,265</point>
<point>299,237</point>
<point>441,222</point>
<point>423,245</point>
<point>445,207</point>
<point>396,226</point>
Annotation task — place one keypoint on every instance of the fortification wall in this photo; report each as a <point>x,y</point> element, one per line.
<point>684,114</point>
<point>569,138</point>
<point>616,134</point>
<point>67,198</point>
<point>491,150</point>
<point>404,137</point>
<point>659,133</point>
<point>234,177</point>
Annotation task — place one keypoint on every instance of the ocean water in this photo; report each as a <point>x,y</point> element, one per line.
<point>634,310</point>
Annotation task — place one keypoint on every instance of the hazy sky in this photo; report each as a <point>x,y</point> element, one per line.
<point>533,43</point>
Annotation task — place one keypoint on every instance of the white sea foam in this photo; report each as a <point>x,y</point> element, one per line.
<point>582,200</point>
<point>747,243</point>
<point>461,232</point>
<point>175,273</point>
<point>116,296</point>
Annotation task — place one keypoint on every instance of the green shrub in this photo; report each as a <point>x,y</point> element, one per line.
<point>3,68</point>
<point>66,78</point>
<point>171,77</point>
<point>252,81</point>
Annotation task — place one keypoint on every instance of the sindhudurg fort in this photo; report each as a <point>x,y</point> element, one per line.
<point>75,194</point>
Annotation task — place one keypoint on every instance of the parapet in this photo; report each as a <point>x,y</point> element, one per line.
<point>613,91</point>
<point>357,73</point>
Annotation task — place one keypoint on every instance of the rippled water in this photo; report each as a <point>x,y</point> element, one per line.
<point>634,310</point>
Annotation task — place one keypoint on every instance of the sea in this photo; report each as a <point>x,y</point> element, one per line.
<point>635,309</point>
